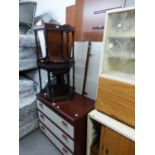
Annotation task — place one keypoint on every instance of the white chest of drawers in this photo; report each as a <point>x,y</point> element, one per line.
<point>65,123</point>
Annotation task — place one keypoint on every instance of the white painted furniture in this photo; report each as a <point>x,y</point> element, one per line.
<point>63,124</point>
<point>53,126</point>
<point>118,58</point>
<point>116,89</point>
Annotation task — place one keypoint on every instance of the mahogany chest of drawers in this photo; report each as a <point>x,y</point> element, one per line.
<point>65,123</point>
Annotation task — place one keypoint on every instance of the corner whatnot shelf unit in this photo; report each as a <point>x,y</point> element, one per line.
<point>56,55</point>
<point>116,91</point>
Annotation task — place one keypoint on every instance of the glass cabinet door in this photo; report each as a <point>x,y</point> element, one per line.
<point>119,49</point>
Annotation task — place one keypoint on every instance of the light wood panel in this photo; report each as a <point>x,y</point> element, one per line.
<point>116,99</point>
<point>112,143</point>
<point>79,6</point>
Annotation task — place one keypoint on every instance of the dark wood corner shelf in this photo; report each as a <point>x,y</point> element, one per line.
<point>49,65</point>
<point>60,92</point>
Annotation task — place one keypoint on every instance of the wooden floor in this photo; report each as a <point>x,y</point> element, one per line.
<point>37,144</point>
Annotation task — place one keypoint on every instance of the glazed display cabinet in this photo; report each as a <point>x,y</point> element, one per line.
<point>116,91</point>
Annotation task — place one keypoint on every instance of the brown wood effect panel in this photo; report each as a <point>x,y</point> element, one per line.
<point>93,36</point>
<point>102,137</point>
<point>94,12</point>
<point>80,136</point>
<point>70,15</point>
<point>56,45</point>
<point>112,143</point>
<point>116,99</point>
<point>79,6</point>
<point>92,21</point>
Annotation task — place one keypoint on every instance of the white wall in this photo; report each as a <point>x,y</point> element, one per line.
<point>93,67</point>
<point>130,3</point>
<point>57,8</point>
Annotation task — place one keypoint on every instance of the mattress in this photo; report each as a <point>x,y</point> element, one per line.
<point>34,75</point>
<point>27,52</point>
<point>27,92</point>
<point>27,40</point>
<point>28,119</point>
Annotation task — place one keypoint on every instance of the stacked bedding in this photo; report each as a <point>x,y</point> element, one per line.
<point>28,119</point>
<point>27,52</point>
<point>29,79</point>
<point>27,92</point>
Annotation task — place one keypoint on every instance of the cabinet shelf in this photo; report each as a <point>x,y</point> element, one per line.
<point>126,56</point>
<point>119,49</point>
<point>53,66</point>
<point>121,36</point>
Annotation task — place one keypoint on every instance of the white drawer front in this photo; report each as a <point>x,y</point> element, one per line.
<point>64,125</point>
<point>55,141</point>
<point>63,137</point>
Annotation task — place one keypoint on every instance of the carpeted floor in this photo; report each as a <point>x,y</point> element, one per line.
<point>37,144</point>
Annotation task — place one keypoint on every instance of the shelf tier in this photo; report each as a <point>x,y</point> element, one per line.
<point>57,92</point>
<point>56,66</point>
<point>121,36</point>
<point>127,56</point>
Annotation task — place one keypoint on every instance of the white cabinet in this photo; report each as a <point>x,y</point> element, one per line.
<point>116,89</point>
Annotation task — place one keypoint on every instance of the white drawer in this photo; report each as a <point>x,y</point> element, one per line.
<point>63,124</point>
<point>63,137</point>
<point>55,141</point>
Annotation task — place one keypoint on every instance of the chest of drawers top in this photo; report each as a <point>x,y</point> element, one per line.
<point>71,110</point>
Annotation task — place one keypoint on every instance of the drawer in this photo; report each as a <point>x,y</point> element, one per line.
<point>63,124</point>
<point>56,131</point>
<point>55,141</point>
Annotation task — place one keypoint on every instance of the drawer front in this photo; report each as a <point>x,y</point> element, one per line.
<point>55,141</point>
<point>63,137</point>
<point>63,124</point>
